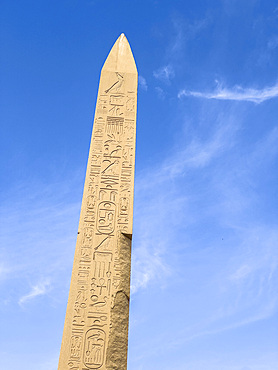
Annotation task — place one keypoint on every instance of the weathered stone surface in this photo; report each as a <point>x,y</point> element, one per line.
<point>96,325</point>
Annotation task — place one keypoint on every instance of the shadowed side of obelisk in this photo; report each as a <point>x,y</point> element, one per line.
<point>118,340</point>
<point>96,325</point>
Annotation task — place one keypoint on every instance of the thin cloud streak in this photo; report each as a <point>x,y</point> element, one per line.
<point>160,93</point>
<point>39,289</point>
<point>237,93</point>
<point>165,73</point>
<point>266,312</point>
<point>197,154</point>
<point>185,31</point>
<point>142,83</point>
<point>158,201</point>
<point>236,277</point>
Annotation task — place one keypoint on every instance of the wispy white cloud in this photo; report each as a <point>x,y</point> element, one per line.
<point>265,313</point>
<point>171,200</point>
<point>185,31</point>
<point>179,38</point>
<point>197,153</point>
<point>147,267</point>
<point>197,208</point>
<point>41,288</point>
<point>143,83</point>
<point>237,93</point>
<point>159,201</point>
<point>160,92</point>
<point>246,296</point>
<point>273,43</point>
<point>40,223</point>
<point>215,360</point>
<point>241,273</point>
<point>165,73</point>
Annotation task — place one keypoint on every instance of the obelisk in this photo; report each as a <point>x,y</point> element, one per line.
<point>96,325</point>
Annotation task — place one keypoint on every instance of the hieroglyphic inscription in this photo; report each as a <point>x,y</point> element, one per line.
<point>106,213</point>
<point>95,332</point>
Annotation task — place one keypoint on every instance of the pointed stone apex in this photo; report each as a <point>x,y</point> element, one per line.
<point>120,58</point>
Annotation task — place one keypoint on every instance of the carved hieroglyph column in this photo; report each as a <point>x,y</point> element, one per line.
<point>96,325</point>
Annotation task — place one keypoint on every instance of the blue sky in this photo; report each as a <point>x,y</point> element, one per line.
<point>205,255</point>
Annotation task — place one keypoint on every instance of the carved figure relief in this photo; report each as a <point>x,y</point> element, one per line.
<point>75,346</point>
<point>111,167</point>
<point>102,104</point>
<point>96,159</point>
<point>123,207</point>
<point>116,86</point>
<point>99,127</point>
<point>86,252</point>
<point>91,201</point>
<point>112,149</point>
<point>116,107</point>
<point>130,102</point>
<point>104,244</point>
<point>88,235</point>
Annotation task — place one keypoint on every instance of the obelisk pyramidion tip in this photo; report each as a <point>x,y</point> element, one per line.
<point>120,58</point>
